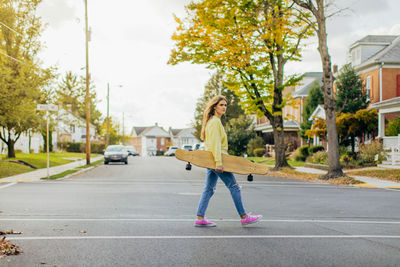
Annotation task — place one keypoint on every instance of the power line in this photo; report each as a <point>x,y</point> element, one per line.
<point>1,52</point>
<point>10,28</point>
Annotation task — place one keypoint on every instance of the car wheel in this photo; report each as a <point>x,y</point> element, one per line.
<point>126,161</point>
<point>106,162</point>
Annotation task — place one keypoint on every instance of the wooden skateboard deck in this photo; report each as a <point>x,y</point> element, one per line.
<point>205,159</point>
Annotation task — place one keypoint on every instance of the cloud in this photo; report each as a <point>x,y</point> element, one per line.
<point>56,12</point>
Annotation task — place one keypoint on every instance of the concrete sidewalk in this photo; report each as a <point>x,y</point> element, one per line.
<point>40,173</point>
<point>369,182</point>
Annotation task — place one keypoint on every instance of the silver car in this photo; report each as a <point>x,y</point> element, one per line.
<point>116,153</point>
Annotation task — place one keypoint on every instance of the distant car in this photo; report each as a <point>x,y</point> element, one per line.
<point>187,147</point>
<point>171,151</point>
<point>195,147</point>
<point>116,153</point>
<point>202,146</point>
<point>131,151</point>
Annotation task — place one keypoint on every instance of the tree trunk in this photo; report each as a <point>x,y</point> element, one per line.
<point>10,147</point>
<point>280,148</point>
<point>335,170</point>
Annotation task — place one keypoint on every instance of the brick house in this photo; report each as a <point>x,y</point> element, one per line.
<point>291,112</point>
<point>376,58</point>
<point>149,140</point>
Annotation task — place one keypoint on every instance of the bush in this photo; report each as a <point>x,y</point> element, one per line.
<point>304,151</point>
<point>254,143</point>
<point>259,152</point>
<point>367,152</point>
<point>79,147</point>
<point>315,149</point>
<point>321,157</point>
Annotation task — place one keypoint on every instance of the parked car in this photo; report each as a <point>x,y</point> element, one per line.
<point>195,147</point>
<point>202,146</point>
<point>132,151</point>
<point>116,153</point>
<point>171,151</point>
<point>187,147</point>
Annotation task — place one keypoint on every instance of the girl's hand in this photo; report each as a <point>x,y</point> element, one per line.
<point>219,168</point>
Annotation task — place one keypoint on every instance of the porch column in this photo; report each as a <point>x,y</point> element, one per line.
<point>381,125</point>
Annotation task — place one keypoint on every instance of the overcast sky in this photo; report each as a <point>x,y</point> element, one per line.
<point>131,43</point>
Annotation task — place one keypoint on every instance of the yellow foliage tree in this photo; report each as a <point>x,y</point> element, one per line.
<point>250,41</point>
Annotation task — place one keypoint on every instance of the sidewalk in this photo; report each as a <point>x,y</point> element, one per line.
<point>40,173</point>
<point>369,182</point>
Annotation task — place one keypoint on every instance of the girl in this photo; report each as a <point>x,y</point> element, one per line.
<point>215,140</point>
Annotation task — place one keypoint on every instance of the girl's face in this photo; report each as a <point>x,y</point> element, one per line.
<point>220,108</point>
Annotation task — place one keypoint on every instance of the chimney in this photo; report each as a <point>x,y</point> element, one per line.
<point>335,69</point>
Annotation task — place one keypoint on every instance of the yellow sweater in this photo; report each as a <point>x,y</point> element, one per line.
<point>216,140</point>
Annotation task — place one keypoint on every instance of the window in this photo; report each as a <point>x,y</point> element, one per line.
<point>72,128</point>
<point>398,85</point>
<point>368,87</point>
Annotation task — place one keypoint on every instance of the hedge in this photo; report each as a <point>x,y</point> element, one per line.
<point>259,152</point>
<point>315,149</point>
<point>79,147</point>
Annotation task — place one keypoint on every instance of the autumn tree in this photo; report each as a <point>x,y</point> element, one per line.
<point>318,23</point>
<point>350,96</point>
<point>115,128</point>
<point>250,41</point>
<point>22,76</point>
<point>215,86</point>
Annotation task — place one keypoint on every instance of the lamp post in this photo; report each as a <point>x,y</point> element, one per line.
<point>87,102</point>
<point>108,114</point>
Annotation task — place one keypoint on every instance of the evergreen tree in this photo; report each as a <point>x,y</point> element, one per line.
<point>215,86</point>
<point>314,98</point>
<point>239,131</point>
<point>350,96</point>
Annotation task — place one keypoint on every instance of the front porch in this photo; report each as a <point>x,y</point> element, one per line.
<point>389,110</point>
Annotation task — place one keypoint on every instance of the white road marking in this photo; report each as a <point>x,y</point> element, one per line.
<point>206,237</point>
<point>191,220</point>
<point>8,185</point>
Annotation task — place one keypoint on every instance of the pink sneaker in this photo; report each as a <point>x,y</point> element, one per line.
<point>250,219</point>
<point>204,223</point>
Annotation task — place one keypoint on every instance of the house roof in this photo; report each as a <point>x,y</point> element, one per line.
<point>305,84</point>
<point>319,112</point>
<point>155,130</point>
<point>376,39</point>
<point>389,54</point>
<point>288,126</point>
<point>389,103</point>
<point>175,132</point>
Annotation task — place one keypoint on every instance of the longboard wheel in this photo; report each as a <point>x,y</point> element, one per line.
<point>188,166</point>
<point>250,178</point>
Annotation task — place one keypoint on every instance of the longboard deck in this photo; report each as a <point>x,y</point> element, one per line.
<point>205,159</point>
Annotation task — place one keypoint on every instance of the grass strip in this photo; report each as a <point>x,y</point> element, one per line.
<point>11,168</point>
<point>310,177</point>
<point>68,172</point>
<point>387,174</point>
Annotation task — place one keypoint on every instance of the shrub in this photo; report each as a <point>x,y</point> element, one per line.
<point>314,149</point>
<point>321,157</point>
<point>367,152</point>
<point>259,152</point>
<point>254,143</point>
<point>304,151</point>
<point>296,155</point>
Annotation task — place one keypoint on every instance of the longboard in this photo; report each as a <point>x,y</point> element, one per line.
<point>205,159</point>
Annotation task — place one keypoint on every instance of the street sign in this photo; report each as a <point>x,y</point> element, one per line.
<point>48,107</point>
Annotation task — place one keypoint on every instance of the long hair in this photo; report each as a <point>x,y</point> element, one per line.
<point>209,112</point>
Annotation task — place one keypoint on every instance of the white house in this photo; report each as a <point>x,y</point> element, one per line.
<point>183,136</point>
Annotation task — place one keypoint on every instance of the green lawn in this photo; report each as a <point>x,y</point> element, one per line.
<point>10,168</point>
<point>38,160</point>
<point>271,161</point>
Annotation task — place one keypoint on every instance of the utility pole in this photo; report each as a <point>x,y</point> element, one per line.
<point>87,102</point>
<point>108,115</point>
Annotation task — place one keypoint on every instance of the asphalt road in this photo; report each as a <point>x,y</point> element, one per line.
<point>142,214</point>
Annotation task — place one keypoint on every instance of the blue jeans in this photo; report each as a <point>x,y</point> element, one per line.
<point>230,182</point>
